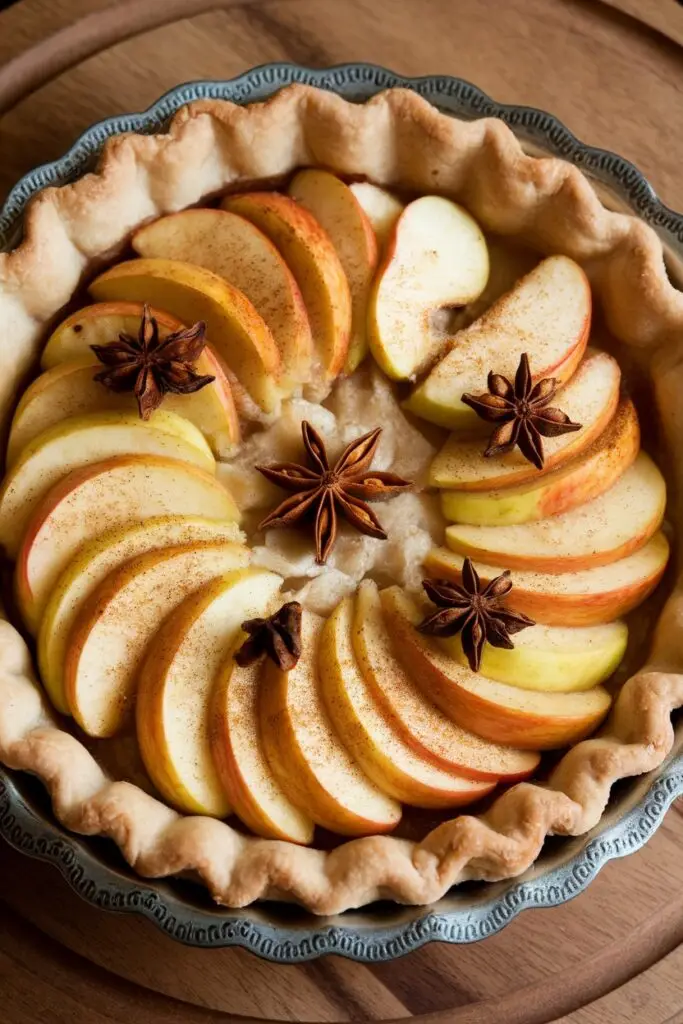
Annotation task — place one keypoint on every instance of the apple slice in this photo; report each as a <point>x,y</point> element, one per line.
<point>312,259</point>
<point>584,598</point>
<point>119,618</point>
<point>307,757</point>
<point>578,481</point>
<point>382,209</point>
<point>547,315</point>
<point>339,213</point>
<point>245,774</point>
<point>92,561</point>
<point>591,398</point>
<point>437,257</point>
<point>504,714</point>
<point>236,250</point>
<point>560,659</point>
<point>234,328</point>
<point>603,530</point>
<point>176,684</point>
<point>81,441</point>
<point>370,736</point>
<point>100,324</point>
<point>420,723</point>
<point>68,389</point>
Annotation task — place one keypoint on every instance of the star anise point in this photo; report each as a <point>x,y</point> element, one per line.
<point>277,637</point>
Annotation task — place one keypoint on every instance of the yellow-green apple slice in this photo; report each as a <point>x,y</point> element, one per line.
<point>308,758</point>
<point>339,213</point>
<point>246,776</point>
<point>238,251</point>
<point>382,208</point>
<point>576,482</point>
<point>552,658</point>
<point>312,259</point>
<point>421,724</point>
<point>547,315</point>
<point>583,598</point>
<point>176,682</point>
<point>591,398</point>
<point>368,733</point>
<point>502,713</point>
<point>81,441</point>
<point>100,324</point>
<point>436,258</point>
<point>86,563</point>
<point>603,530</point>
<point>237,332</point>
<point>69,389</point>
<point>119,618</point>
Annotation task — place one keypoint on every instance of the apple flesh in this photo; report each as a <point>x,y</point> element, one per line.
<point>339,213</point>
<point>306,755</point>
<point>312,258</point>
<point>245,774</point>
<point>547,315</point>
<point>591,398</point>
<point>176,683</point>
<point>81,441</point>
<point>603,530</point>
<point>382,209</point>
<point>586,597</point>
<point>238,251</point>
<point>100,324</point>
<point>580,480</point>
<point>437,257</point>
<point>421,724</point>
<point>501,713</point>
<point>117,621</point>
<point>369,735</point>
<point>237,332</point>
<point>91,562</point>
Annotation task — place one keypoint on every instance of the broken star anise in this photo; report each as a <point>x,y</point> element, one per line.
<point>151,368</point>
<point>477,615</point>
<point>320,491</point>
<point>278,637</point>
<point>521,412</point>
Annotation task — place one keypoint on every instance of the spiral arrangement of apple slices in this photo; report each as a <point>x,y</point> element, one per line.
<point>134,577</point>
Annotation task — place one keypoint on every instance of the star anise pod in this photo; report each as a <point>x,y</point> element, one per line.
<point>151,368</point>
<point>478,615</point>
<point>278,637</point>
<point>320,491</point>
<point>522,412</point>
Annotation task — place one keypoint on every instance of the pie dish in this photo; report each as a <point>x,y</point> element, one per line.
<point>542,202</point>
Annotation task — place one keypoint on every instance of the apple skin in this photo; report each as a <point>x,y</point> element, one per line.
<point>572,484</point>
<point>248,780</point>
<point>370,737</point>
<point>586,606</point>
<point>501,713</point>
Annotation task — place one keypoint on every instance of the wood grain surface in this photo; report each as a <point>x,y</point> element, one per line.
<point>613,72</point>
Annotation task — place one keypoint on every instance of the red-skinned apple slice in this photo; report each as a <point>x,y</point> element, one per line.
<point>603,530</point>
<point>308,759</point>
<point>547,315</point>
<point>421,724</point>
<point>339,213</point>
<point>505,714</point>
<point>312,259</point>
<point>238,251</point>
<point>583,598</point>
<point>369,734</point>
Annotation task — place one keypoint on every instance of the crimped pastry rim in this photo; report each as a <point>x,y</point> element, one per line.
<point>553,204</point>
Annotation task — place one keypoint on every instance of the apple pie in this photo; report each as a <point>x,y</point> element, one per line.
<point>326,504</point>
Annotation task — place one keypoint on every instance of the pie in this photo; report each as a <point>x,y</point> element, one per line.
<point>326,500</point>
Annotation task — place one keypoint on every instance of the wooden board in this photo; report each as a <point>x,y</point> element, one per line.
<point>612,955</point>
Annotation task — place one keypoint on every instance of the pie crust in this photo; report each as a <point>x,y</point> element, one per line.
<point>398,140</point>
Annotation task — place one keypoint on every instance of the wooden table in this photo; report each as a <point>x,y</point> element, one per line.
<point>611,956</point>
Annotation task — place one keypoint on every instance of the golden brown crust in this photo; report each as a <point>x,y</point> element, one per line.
<point>399,140</point>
